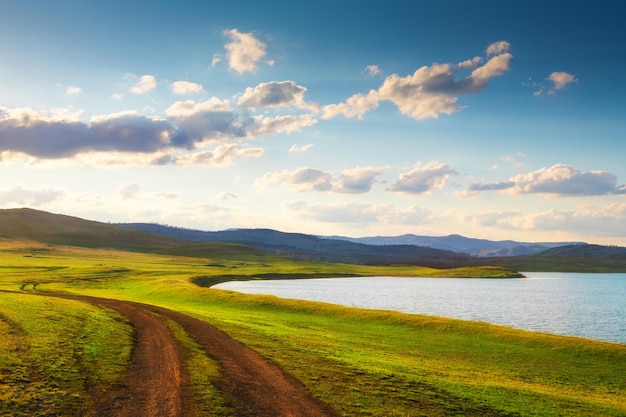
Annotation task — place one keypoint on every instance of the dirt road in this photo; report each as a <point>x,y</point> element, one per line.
<point>157,384</point>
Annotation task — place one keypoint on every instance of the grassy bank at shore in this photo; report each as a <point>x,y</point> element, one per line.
<point>362,362</point>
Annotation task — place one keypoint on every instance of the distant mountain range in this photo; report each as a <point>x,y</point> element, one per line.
<point>258,244</point>
<point>310,247</point>
<point>462,244</point>
<point>273,240</point>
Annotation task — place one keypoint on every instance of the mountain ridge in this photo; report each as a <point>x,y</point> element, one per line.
<point>462,244</point>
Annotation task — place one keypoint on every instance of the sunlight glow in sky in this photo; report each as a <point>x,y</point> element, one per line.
<point>490,120</point>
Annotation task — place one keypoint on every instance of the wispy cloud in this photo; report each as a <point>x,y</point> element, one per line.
<point>72,90</point>
<point>372,70</point>
<point>423,178</point>
<point>221,155</point>
<point>20,196</point>
<point>129,191</point>
<point>559,80</point>
<point>431,90</point>
<point>300,149</point>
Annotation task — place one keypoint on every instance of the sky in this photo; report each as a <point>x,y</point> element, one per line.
<point>489,119</point>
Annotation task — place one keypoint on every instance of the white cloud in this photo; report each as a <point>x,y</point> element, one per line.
<point>117,96</point>
<point>498,48</point>
<point>222,155</point>
<point>372,70</point>
<point>19,196</point>
<point>212,119</point>
<point>146,83</point>
<point>276,94</point>
<point>357,180</point>
<point>423,178</point>
<point>300,180</point>
<point>560,80</point>
<point>280,124</point>
<point>244,51</point>
<point>431,90</point>
<point>300,149</point>
<point>557,180</point>
<point>186,87</point>
<point>129,191</point>
<point>470,63</point>
<point>355,106</point>
<point>565,180</point>
<point>73,90</point>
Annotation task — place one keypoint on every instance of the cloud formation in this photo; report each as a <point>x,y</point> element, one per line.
<point>72,90</point>
<point>221,155</point>
<point>372,70</point>
<point>129,191</point>
<point>560,80</point>
<point>243,52</point>
<point>186,87</point>
<point>146,83</point>
<point>357,180</point>
<point>423,178</point>
<point>558,180</point>
<point>609,220</point>
<point>355,106</point>
<point>276,94</point>
<point>300,149</point>
<point>19,196</point>
<point>431,90</point>
<point>62,136</point>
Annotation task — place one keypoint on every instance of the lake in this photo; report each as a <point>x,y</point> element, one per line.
<point>586,305</point>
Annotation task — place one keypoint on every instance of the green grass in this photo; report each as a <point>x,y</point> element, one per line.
<point>53,351</point>
<point>363,362</point>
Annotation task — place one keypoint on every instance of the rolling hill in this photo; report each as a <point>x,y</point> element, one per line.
<point>58,229</point>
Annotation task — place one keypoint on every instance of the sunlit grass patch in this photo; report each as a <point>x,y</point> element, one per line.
<point>54,351</point>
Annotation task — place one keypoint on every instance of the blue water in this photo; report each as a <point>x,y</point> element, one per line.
<point>586,305</point>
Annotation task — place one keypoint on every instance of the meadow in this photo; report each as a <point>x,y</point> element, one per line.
<point>56,354</point>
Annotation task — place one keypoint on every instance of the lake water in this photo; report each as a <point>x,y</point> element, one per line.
<point>587,305</point>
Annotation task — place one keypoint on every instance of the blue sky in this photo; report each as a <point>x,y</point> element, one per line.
<point>354,118</point>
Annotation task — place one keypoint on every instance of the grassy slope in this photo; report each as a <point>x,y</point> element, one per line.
<point>52,351</point>
<point>363,362</point>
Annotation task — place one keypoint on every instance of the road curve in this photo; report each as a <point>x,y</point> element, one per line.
<point>157,384</point>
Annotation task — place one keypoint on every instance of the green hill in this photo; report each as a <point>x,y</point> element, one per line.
<point>58,229</point>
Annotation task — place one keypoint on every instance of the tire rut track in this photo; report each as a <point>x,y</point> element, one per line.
<point>158,385</point>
